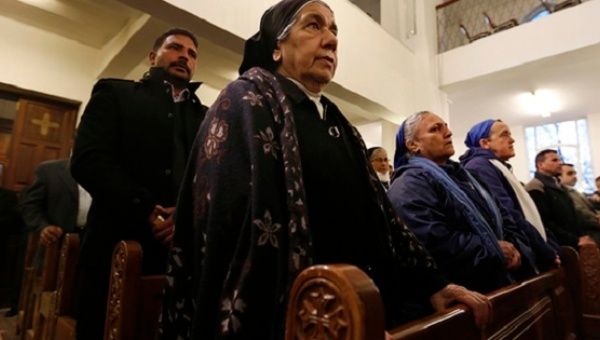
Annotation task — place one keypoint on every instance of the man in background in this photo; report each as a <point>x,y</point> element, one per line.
<point>588,218</point>
<point>553,201</point>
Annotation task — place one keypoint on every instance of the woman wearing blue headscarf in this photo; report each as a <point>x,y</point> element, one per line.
<point>490,146</point>
<point>450,212</point>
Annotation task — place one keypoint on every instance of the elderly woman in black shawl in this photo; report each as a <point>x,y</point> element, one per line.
<point>280,181</point>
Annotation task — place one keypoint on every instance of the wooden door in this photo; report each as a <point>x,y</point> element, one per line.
<point>43,131</point>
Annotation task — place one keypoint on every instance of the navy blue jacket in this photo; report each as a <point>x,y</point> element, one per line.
<point>477,162</point>
<point>439,223</point>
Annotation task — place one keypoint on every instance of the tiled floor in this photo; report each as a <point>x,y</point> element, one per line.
<point>8,325</point>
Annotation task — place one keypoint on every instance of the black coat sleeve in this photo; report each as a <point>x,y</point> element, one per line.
<point>96,163</point>
<point>564,237</point>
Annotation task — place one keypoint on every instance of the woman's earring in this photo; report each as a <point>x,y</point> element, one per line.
<point>276,56</point>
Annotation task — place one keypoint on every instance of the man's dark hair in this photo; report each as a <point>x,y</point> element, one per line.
<point>541,156</point>
<point>174,31</point>
<point>597,178</point>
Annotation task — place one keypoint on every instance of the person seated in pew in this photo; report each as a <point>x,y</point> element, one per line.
<point>588,218</point>
<point>280,181</point>
<point>490,146</point>
<point>553,201</point>
<point>379,161</point>
<point>456,219</point>
<point>55,204</point>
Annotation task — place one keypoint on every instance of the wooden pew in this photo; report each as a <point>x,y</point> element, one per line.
<point>134,301</point>
<point>44,284</point>
<point>59,310</point>
<point>334,302</point>
<point>340,302</point>
<point>590,277</point>
<point>25,301</point>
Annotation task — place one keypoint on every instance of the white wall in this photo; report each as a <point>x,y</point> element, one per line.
<point>380,133</point>
<point>36,60</point>
<point>520,162</point>
<point>594,133</point>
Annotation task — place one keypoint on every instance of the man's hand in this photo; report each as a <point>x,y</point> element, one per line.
<point>478,303</point>
<point>586,239</point>
<point>50,234</point>
<point>163,225</point>
<point>511,254</point>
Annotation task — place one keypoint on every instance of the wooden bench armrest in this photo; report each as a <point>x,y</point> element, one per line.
<point>334,302</point>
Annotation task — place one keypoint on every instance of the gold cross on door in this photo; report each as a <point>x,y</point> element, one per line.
<point>45,124</point>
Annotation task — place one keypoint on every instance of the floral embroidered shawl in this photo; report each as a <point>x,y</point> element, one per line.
<point>242,233</point>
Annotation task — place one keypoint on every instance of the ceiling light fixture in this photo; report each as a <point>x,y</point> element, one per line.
<point>540,102</point>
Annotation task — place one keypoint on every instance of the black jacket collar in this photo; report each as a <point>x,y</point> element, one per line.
<point>157,76</point>
<point>548,181</point>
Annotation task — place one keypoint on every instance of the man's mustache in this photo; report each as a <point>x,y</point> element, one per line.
<point>182,64</point>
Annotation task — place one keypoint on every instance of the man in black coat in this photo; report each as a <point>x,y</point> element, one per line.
<point>130,153</point>
<point>553,201</point>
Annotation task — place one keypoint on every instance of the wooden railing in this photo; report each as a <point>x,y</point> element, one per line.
<point>544,307</point>
<point>341,302</point>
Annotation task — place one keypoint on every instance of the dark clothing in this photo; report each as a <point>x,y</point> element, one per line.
<point>11,221</point>
<point>131,145</point>
<point>477,162</point>
<point>12,229</point>
<point>443,227</point>
<point>52,199</point>
<point>341,202</point>
<point>556,208</point>
<point>586,215</point>
<point>275,189</point>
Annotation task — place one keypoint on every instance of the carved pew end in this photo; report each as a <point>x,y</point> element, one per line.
<point>134,301</point>
<point>334,302</point>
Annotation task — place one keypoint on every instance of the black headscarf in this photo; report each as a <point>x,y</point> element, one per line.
<point>258,50</point>
<point>370,151</point>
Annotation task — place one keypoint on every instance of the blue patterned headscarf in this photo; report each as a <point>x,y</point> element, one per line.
<point>478,131</point>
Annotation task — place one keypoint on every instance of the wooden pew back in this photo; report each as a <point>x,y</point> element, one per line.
<point>334,302</point>
<point>44,280</point>
<point>62,323</point>
<point>134,301</point>
<point>540,308</point>
<point>341,302</point>
<point>590,277</point>
<point>66,281</point>
<point>27,282</point>
<point>45,294</point>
